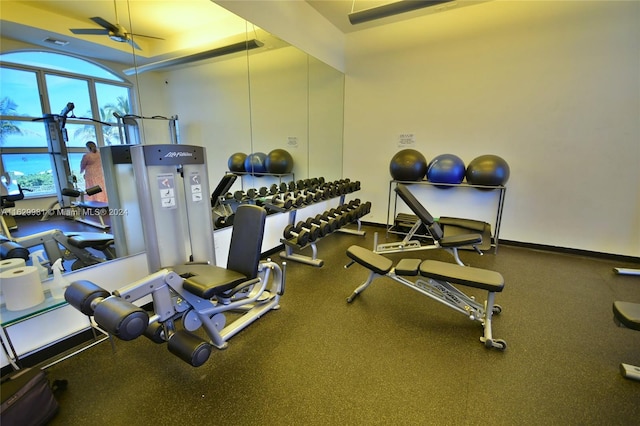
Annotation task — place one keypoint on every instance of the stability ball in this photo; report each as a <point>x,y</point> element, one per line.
<point>279,162</point>
<point>488,170</point>
<point>236,162</point>
<point>408,164</point>
<point>255,163</point>
<point>446,168</point>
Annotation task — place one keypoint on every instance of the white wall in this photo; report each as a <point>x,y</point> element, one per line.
<point>552,87</point>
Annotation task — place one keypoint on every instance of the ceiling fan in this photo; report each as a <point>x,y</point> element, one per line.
<point>115,31</point>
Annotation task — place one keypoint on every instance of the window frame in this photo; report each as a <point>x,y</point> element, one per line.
<point>43,92</point>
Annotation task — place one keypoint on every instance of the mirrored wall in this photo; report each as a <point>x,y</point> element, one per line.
<point>272,97</point>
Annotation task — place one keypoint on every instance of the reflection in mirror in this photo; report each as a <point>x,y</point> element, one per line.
<point>326,112</point>
<point>279,105</point>
<point>272,97</point>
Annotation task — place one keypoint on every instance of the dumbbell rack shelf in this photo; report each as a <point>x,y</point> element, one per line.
<point>313,260</point>
<point>279,177</point>
<point>393,205</point>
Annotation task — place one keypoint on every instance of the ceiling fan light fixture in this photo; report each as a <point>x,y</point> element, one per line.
<point>391,9</point>
<point>118,37</point>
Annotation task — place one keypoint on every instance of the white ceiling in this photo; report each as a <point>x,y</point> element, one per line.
<point>187,26</point>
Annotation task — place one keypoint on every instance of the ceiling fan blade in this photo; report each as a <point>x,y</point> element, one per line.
<point>104,24</point>
<point>146,36</point>
<point>134,44</point>
<point>93,31</point>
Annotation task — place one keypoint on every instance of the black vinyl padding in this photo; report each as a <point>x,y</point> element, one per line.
<point>628,314</point>
<point>246,240</point>
<point>464,275</point>
<point>408,267</point>
<point>89,239</point>
<point>370,260</point>
<point>434,227</point>
<point>223,187</point>
<point>92,205</point>
<point>207,281</point>
<point>415,206</point>
<point>12,250</point>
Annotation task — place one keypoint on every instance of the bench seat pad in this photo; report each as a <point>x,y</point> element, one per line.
<point>370,260</point>
<point>465,275</point>
<point>628,314</point>
<point>89,239</point>
<point>408,267</point>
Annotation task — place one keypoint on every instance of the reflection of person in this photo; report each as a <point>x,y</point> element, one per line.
<point>91,165</point>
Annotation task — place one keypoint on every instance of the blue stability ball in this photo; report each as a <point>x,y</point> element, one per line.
<point>409,165</point>
<point>488,170</point>
<point>236,162</point>
<point>446,168</point>
<point>255,163</point>
<point>279,162</point>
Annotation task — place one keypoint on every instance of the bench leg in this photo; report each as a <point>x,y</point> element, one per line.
<point>487,338</point>
<point>362,287</point>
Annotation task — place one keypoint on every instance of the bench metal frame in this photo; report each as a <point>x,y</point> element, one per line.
<point>445,292</point>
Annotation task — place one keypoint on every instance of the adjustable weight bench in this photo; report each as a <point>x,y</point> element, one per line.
<point>449,243</point>
<point>437,280</point>
<point>627,314</point>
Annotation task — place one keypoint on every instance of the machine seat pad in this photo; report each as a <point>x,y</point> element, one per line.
<point>628,314</point>
<point>370,260</point>
<point>89,239</point>
<point>460,240</point>
<point>92,205</point>
<point>465,275</point>
<point>408,267</point>
<point>207,281</point>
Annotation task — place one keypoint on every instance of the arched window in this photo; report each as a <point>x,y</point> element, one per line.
<point>34,84</point>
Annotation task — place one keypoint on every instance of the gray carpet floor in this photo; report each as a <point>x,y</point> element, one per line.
<point>393,356</point>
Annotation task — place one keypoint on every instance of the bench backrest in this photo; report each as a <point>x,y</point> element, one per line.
<point>246,240</point>
<point>425,217</point>
<point>223,187</point>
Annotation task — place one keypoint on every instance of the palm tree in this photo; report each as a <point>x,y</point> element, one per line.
<point>7,127</point>
<point>111,133</point>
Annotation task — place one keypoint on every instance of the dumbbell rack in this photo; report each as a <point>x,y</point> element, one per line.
<point>306,234</point>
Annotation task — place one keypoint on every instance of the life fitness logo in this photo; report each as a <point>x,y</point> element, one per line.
<point>174,154</point>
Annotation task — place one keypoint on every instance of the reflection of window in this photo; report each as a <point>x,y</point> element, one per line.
<point>62,90</point>
<point>31,171</point>
<point>96,93</point>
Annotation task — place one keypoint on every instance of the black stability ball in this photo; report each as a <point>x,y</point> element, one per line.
<point>409,165</point>
<point>279,162</point>
<point>488,170</point>
<point>236,162</point>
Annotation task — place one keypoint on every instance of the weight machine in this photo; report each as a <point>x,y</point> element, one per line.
<point>129,127</point>
<point>58,244</point>
<point>185,284</point>
<point>57,139</point>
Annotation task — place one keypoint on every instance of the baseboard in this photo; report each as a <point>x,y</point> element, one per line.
<point>549,248</point>
<point>567,250</point>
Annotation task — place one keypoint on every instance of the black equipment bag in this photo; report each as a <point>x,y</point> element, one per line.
<point>27,398</point>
